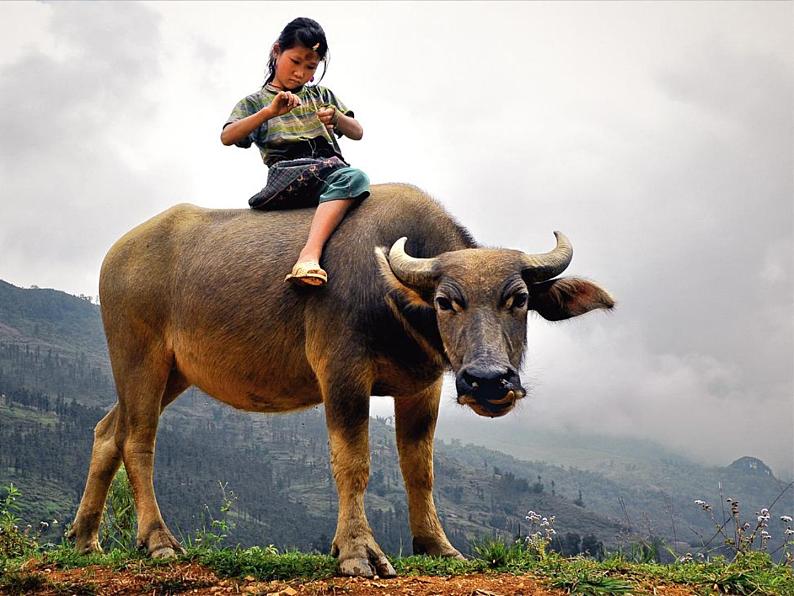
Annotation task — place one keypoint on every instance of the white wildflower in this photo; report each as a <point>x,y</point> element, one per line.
<point>702,504</point>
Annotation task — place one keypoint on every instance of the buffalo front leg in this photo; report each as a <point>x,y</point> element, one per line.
<point>105,460</point>
<point>415,420</point>
<point>347,416</point>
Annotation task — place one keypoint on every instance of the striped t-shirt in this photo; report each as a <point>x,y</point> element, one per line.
<point>298,133</point>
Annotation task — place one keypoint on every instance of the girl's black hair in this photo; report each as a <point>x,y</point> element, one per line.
<point>300,32</point>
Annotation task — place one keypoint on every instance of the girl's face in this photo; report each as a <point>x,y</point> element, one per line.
<point>294,67</point>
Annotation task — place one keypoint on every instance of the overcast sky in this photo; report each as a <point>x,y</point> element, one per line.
<point>658,137</point>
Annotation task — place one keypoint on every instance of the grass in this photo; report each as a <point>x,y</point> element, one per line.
<point>753,573</point>
<point>263,563</point>
<point>749,572</point>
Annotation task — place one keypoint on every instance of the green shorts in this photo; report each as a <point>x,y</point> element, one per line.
<point>345,183</point>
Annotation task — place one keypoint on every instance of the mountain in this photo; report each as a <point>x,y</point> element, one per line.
<point>55,385</point>
<point>643,484</point>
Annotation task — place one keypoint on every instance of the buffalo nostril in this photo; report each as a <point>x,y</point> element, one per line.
<point>470,379</point>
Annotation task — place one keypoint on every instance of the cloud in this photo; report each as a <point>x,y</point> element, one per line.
<point>682,208</point>
<point>657,137</point>
<point>69,121</point>
<point>597,375</point>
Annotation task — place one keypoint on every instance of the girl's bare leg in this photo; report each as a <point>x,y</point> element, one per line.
<point>326,218</point>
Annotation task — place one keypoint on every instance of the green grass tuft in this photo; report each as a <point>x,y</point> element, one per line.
<point>425,565</point>
<point>585,576</point>
<point>263,563</point>
<point>65,557</point>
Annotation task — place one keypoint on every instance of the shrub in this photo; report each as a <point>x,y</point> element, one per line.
<point>13,541</point>
<point>118,520</point>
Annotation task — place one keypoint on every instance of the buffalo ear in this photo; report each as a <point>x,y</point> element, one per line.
<point>567,297</point>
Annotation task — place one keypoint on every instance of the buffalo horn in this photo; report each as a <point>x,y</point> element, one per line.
<point>411,271</point>
<point>545,266</point>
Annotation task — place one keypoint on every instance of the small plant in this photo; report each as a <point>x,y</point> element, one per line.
<point>646,550</point>
<point>212,537</point>
<point>788,544</point>
<point>582,576</point>
<point>13,541</point>
<point>495,553</point>
<point>118,520</point>
<point>541,533</point>
<point>748,536</point>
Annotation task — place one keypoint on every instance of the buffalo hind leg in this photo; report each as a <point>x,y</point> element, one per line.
<point>415,420</point>
<point>106,457</point>
<point>105,460</point>
<point>347,417</point>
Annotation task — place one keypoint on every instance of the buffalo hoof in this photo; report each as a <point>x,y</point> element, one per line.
<point>363,558</point>
<point>364,568</point>
<point>161,544</point>
<point>87,547</point>
<point>84,537</point>
<point>165,552</point>
<point>436,547</point>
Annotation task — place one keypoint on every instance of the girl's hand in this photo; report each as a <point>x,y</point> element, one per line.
<point>284,102</point>
<point>328,116</point>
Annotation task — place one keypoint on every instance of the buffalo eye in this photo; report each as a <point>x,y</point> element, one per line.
<point>520,300</point>
<point>444,303</point>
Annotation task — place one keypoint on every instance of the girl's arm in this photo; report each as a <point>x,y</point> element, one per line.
<point>336,120</point>
<point>238,130</point>
<point>349,126</point>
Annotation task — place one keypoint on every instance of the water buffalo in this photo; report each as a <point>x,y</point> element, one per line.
<point>197,297</point>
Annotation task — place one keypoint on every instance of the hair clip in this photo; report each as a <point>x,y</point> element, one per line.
<point>315,46</point>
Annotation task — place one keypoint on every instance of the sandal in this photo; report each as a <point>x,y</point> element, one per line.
<point>308,273</point>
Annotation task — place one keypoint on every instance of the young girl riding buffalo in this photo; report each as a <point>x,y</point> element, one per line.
<point>295,125</point>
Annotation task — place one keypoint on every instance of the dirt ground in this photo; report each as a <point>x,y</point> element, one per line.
<point>184,578</point>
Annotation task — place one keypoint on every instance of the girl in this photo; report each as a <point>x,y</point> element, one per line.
<point>293,125</point>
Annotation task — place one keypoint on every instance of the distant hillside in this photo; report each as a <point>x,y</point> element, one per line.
<point>53,320</point>
<point>51,341</point>
<point>655,485</point>
<point>55,385</point>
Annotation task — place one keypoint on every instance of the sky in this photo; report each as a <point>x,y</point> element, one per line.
<point>657,136</point>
